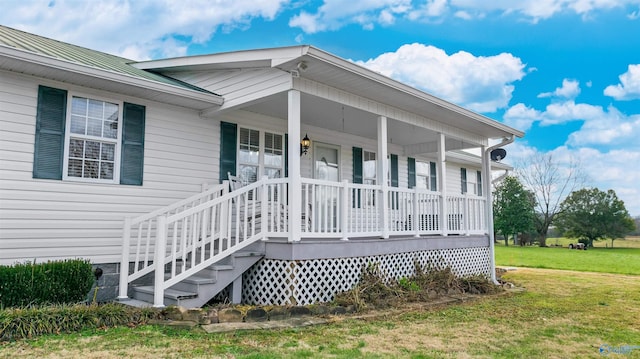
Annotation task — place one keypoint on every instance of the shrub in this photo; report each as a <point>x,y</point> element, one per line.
<point>30,322</point>
<point>56,282</point>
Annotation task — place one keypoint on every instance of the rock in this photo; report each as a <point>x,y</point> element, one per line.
<point>432,294</point>
<point>229,315</point>
<point>279,313</point>
<point>338,310</point>
<point>299,311</point>
<point>256,315</point>
<point>212,316</point>
<point>320,309</point>
<point>174,312</point>
<point>193,315</point>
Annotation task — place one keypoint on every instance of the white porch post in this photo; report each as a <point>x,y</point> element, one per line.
<point>295,183</point>
<point>383,168</point>
<point>442,176</point>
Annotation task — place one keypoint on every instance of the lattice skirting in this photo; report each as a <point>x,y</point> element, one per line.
<point>302,282</point>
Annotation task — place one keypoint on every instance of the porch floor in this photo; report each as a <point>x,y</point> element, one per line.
<point>323,248</point>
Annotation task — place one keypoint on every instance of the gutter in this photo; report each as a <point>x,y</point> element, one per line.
<point>489,205</point>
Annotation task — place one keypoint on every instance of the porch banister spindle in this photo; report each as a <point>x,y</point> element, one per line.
<point>344,207</point>
<point>158,262</point>
<point>265,221</point>
<point>124,261</point>
<point>415,222</point>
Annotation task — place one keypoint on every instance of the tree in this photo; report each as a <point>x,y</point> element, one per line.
<point>513,208</point>
<point>590,214</point>
<point>550,182</point>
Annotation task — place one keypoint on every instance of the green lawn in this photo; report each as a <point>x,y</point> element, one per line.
<point>603,260</point>
<point>560,315</point>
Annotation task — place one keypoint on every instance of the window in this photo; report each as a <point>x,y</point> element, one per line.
<point>92,140</point>
<point>479,183</point>
<point>369,168</point>
<point>88,139</point>
<point>259,154</point>
<point>422,174</point>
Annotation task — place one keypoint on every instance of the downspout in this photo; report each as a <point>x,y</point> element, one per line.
<point>489,204</point>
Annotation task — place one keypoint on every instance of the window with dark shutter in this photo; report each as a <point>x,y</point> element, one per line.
<point>228,145</point>
<point>463,180</point>
<point>49,140</point>
<point>411,171</point>
<point>132,162</point>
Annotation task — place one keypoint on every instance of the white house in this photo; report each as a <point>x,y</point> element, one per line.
<point>128,164</point>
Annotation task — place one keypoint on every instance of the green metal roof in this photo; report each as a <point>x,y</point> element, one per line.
<point>60,50</point>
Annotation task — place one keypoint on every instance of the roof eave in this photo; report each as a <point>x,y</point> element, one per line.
<point>206,99</point>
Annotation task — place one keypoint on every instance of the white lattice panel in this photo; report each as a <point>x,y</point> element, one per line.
<point>281,282</point>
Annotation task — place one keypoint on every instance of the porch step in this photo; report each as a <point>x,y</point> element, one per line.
<point>198,289</point>
<point>171,296</point>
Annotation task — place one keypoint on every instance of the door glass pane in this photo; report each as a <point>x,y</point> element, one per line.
<point>326,163</point>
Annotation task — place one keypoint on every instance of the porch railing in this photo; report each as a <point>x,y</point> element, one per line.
<point>178,241</point>
<point>332,209</point>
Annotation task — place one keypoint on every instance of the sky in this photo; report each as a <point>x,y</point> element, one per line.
<point>567,72</point>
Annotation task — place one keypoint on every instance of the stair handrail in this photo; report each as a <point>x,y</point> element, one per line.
<point>213,192</point>
<point>188,242</point>
<point>225,205</point>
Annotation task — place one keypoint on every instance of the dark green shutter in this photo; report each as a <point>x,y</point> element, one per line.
<point>433,176</point>
<point>132,161</point>
<point>479,182</point>
<point>286,155</point>
<point>463,179</point>
<point>357,165</point>
<point>394,170</point>
<point>228,145</point>
<point>357,173</point>
<point>411,167</point>
<point>48,153</point>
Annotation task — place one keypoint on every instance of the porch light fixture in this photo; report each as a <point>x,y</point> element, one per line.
<point>304,145</point>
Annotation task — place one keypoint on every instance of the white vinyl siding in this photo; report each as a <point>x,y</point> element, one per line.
<point>50,219</point>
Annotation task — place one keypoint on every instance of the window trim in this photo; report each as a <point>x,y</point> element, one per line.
<point>117,161</point>
<point>261,150</point>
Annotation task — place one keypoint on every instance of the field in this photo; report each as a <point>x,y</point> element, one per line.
<point>624,258</point>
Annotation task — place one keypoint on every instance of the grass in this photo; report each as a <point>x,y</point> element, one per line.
<point>623,259</point>
<point>562,314</point>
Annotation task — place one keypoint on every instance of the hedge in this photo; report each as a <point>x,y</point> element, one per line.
<point>55,282</point>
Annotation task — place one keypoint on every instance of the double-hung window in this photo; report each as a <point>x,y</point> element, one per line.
<point>92,141</point>
<point>260,153</point>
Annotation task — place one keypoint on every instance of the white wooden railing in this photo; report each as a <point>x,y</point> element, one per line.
<point>192,234</point>
<point>343,210</point>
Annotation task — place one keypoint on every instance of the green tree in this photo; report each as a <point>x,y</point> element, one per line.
<point>590,214</point>
<point>513,208</point>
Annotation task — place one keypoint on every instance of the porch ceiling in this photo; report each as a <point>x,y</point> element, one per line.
<point>319,112</point>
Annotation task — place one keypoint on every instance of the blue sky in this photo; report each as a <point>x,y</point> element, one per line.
<point>567,72</point>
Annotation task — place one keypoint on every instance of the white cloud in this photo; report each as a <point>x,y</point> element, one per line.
<point>629,86</point>
<point>536,10</point>
<point>570,89</point>
<point>521,117</point>
<point>333,14</point>
<point>613,128</point>
<point>156,25</point>
<point>480,83</point>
